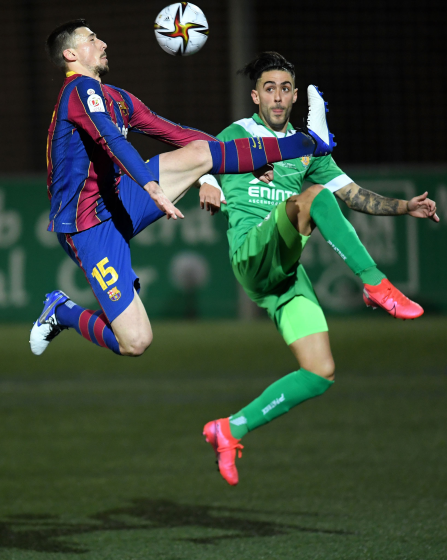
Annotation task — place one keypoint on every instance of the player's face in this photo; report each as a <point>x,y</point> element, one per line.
<point>275,94</point>
<point>91,51</point>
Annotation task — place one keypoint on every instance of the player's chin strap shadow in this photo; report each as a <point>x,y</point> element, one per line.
<point>48,533</point>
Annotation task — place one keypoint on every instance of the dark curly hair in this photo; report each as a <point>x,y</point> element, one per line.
<point>63,38</point>
<point>264,62</point>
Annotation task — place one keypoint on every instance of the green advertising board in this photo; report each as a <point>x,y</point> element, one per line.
<point>183,265</point>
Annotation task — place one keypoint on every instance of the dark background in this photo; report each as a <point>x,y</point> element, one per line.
<point>381,66</point>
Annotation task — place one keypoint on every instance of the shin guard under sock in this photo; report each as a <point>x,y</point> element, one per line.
<point>342,237</point>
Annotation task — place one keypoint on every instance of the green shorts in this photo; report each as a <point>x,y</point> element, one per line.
<point>267,266</point>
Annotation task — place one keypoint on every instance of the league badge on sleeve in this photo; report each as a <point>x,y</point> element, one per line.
<point>95,103</point>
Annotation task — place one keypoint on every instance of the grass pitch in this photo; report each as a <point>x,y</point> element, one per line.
<point>102,458</point>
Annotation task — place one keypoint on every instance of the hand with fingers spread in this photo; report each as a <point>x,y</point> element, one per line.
<point>162,201</point>
<point>422,207</point>
<point>210,198</point>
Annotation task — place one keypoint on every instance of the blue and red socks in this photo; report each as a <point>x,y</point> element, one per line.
<point>247,154</point>
<point>92,325</point>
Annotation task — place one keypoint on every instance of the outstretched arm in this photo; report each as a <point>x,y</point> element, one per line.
<point>147,122</point>
<point>87,111</point>
<point>368,202</point>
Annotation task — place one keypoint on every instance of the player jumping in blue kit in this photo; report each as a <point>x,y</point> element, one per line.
<point>102,193</point>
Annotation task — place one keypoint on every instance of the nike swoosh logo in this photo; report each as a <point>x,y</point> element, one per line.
<point>45,315</point>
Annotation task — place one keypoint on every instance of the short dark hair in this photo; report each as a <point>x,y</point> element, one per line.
<point>62,38</point>
<point>264,62</point>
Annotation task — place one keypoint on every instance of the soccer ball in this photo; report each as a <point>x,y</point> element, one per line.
<point>181,29</point>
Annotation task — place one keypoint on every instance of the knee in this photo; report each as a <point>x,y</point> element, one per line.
<point>313,191</point>
<point>201,151</point>
<point>136,346</point>
<point>324,368</point>
<point>305,198</point>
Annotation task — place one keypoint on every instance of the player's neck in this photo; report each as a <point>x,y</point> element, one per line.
<point>281,130</point>
<point>79,69</point>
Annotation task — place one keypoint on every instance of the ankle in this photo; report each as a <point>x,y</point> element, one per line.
<point>371,276</point>
<point>235,428</point>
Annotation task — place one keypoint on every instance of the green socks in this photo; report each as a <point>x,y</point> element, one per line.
<point>278,399</point>
<point>342,237</point>
<point>372,276</point>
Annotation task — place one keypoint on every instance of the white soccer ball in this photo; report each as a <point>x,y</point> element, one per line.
<point>181,29</point>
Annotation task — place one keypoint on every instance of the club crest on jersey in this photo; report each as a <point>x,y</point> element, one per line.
<point>114,294</point>
<point>95,104</point>
<point>305,160</point>
<point>123,108</point>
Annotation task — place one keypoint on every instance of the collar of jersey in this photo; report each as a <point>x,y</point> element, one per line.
<point>69,74</point>
<point>258,120</point>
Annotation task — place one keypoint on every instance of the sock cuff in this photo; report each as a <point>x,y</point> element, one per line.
<point>316,382</point>
<point>216,149</point>
<point>321,200</point>
<point>371,275</point>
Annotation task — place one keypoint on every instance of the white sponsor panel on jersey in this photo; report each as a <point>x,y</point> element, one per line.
<point>123,130</point>
<point>273,195</point>
<point>95,103</point>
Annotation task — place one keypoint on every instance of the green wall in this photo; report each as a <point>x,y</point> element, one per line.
<point>184,266</point>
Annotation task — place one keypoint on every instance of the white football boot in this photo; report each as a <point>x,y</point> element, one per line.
<point>317,125</point>
<point>46,327</point>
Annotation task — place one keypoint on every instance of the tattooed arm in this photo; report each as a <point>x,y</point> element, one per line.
<point>368,202</point>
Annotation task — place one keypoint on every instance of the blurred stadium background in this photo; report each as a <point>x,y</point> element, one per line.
<point>84,434</point>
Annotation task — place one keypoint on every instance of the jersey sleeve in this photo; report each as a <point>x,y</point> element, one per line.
<point>145,121</point>
<point>87,110</point>
<point>325,171</point>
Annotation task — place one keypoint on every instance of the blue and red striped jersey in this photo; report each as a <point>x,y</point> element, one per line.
<point>88,151</point>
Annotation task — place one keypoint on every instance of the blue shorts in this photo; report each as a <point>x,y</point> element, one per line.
<point>103,252</point>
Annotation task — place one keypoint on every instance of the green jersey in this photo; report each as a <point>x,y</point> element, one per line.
<point>249,200</point>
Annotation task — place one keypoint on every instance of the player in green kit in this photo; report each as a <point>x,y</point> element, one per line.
<point>269,223</point>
